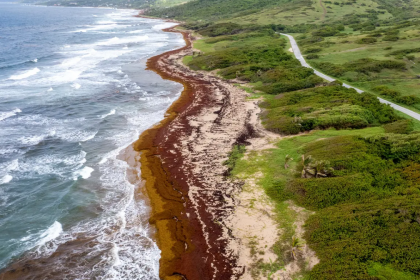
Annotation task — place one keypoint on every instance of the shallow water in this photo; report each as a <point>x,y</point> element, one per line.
<point>73,95</point>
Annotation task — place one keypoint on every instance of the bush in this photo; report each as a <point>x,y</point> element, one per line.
<point>367,40</point>
<point>312,56</point>
<point>405,52</point>
<point>384,90</point>
<point>312,50</point>
<point>325,32</point>
<point>391,38</point>
<point>366,65</point>
<point>348,238</point>
<point>395,95</point>
<point>400,127</point>
<point>324,107</point>
<point>408,99</point>
<point>330,69</point>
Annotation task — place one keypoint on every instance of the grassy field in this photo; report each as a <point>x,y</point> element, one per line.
<point>347,47</point>
<point>298,12</point>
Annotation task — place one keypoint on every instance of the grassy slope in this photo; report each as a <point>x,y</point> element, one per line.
<point>345,49</point>
<point>362,257</point>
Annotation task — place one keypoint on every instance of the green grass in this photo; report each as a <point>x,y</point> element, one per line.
<point>344,49</point>
<point>334,257</point>
<point>270,163</point>
<point>169,3</point>
<point>385,272</point>
<point>187,59</point>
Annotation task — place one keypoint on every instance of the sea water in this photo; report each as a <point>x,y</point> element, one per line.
<point>74,93</point>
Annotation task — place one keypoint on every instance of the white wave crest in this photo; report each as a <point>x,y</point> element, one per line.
<point>25,74</point>
<point>112,112</point>
<point>51,233</point>
<point>5,115</point>
<point>85,173</point>
<point>77,136</point>
<point>35,60</point>
<point>163,25</point>
<point>126,40</point>
<point>71,61</point>
<point>6,179</point>
<point>76,86</point>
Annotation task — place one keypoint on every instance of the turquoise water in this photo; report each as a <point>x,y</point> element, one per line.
<point>73,95</point>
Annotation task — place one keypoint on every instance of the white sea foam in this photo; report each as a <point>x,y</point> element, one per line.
<point>50,89</point>
<point>76,86</point>
<point>5,115</point>
<point>163,25</point>
<point>71,61</point>
<point>25,74</point>
<point>85,173</point>
<point>8,151</point>
<point>136,31</point>
<point>6,179</point>
<point>106,22</point>
<point>126,40</point>
<point>51,233</point>
<point>35,60</point>
<point>112,112</point>
<point>77,136</point>
<point>12,165</point>
<point>32,140</point>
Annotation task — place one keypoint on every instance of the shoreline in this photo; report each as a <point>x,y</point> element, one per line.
<point>192,201</point>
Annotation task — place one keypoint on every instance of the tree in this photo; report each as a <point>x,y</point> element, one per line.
<point>322,168</point>
<point>296,248</point>
<point>307,169</point>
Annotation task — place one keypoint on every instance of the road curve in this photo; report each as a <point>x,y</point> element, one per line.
<point>299,57</point>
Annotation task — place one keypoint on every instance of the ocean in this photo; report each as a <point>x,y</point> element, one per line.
<point>74,95</point>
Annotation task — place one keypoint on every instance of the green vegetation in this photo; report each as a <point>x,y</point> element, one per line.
<point>324,107</point>
<point>358,163</point>
<point>359,173</point>
<point>258,59</point>
<point>237,153</point>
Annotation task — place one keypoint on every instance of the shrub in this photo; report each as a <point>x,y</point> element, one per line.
<point>405,52</point>
<point>348,238</point>
<point>324,107</point>
<point>312,56</point>
<point>312,50</point>
<point>384,90</point>
<point>324,192</point>
<point>366,65</point>
<point>391,38</point>
<point>367,40</point>
<point>408,99</point>
<point>330,68</point>
<point>311,40</point>
<point>400,127</point>
<point>327,31</point>
<point>221,29</point>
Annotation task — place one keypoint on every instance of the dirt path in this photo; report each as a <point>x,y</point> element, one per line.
<point>324,10</point>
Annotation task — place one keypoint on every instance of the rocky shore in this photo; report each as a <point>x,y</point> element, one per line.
<point>192,200</point>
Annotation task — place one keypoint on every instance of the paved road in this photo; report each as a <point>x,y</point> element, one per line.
<point>299,56</point>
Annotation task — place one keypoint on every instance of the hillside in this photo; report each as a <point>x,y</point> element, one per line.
<point>345,180</point>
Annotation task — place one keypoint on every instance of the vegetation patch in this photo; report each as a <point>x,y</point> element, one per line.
<point>324,107</point>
